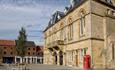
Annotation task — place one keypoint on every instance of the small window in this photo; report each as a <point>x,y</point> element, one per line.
<point>11,53</point>
<point>4,47</point>
<point>11,48</point>
<point>5,52</point>
<point>33,53</point>
<point>28,53</point>
<point>28,48</point>
<point>109,1</point>
<point>33,48</point>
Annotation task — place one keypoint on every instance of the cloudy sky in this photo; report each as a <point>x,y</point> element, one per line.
<point>31,14</point>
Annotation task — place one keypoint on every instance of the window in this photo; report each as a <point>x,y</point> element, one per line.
<point>33,53</point>
<point>61,34</point>
<point>85,50</point>
<point>70,32</point>
<point>109,1</point>
<point>28,48</point>
<point>38,53</point>
<point>5,52</point>
<point>11,53</point>
<point>11,48</point>
<point>33,48</point>
<point>82,24</point>
<point>82,54</point>
<point>4,47</point>
<point>28,53</point>
<point>113,51</point>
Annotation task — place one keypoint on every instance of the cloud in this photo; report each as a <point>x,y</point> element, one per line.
<point>33,13</point>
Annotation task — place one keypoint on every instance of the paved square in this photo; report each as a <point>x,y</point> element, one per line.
<point>38,67</point>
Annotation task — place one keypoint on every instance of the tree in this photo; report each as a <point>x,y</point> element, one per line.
<point>22,38</point>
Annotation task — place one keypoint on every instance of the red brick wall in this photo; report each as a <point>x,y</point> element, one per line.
<point>31,51</point>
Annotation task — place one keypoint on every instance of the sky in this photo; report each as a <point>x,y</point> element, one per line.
<point>33,15</point>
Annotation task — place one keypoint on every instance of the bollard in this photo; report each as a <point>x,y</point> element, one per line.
<point>25,66</point>
<point>18,66</point>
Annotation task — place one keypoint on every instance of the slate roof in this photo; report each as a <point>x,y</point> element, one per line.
<point>62,14</point>
<point>55,17</point>
<point>28,43</point>
<point>69,9</point>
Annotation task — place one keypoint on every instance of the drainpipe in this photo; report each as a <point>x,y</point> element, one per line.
<point>91,48</point>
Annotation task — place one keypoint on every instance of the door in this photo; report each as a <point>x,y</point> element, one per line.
<point>76,60</point>
<point>61,58</point>
<point>55,58</point>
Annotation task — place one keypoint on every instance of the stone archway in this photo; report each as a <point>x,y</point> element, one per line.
<point>61,58</point>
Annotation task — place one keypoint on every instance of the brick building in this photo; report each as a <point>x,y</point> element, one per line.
<point>9,53</point>
<point>31,55</point>
<point>86,27</point>
<point>8,50</point>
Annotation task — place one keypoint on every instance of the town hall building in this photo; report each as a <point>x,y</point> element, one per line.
<point>86,27</point>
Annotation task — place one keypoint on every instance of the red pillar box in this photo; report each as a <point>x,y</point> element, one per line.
<point>87,62</point>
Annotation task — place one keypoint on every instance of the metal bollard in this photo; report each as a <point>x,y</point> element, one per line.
<point>25,66</point>
<point>18,66</point>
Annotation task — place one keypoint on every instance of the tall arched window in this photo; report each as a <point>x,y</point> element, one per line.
<point>70,29</point>
<point>113,52</point>
<point>82,23</point>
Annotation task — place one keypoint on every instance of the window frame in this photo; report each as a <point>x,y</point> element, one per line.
<point>5,52</point>
<point>113,51</point>
<point>82,23</point>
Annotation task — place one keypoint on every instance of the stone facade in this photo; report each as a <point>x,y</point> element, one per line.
<point>86,29</point>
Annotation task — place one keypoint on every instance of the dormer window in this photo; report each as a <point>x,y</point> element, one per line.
<point>66,10</point>
<point>113,2</point>
<point>59,17</point>
<point>109,1</point>
<point>74,2</point>
<point>110,12</point>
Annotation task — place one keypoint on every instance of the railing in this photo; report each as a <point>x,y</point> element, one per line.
<point>55,43</point>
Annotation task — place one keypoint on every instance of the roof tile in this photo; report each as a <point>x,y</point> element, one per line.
<point>7,43</point>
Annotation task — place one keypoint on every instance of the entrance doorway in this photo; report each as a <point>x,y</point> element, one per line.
<point>61,58</point>
<point>8,60</point>
<point>55,58</point>
<point>76,60</point>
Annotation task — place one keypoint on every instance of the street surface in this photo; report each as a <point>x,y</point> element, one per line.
<point>41,67</point>
<point>38,67</point>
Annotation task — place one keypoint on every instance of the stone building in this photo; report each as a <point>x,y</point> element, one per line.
<point>87,27</point>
